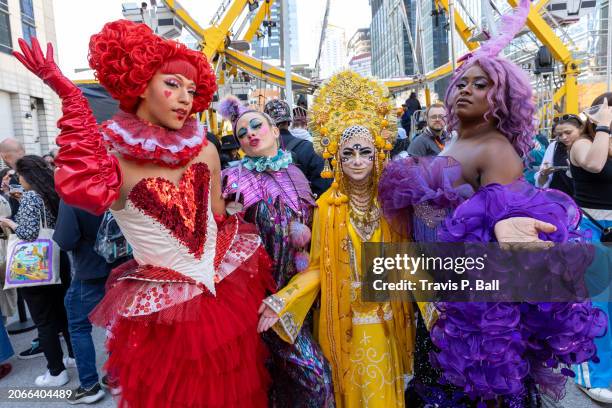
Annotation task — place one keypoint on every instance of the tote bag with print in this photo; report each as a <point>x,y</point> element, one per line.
<point>32,263</point>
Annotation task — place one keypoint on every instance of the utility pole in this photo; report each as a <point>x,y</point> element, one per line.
<point>609,55</point>
<point>287,51</point>
<point>451,19</point>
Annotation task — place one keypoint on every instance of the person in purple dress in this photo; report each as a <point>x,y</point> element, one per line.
<point>479,353</point>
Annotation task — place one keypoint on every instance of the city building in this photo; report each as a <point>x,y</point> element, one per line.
<point>361,64</point>
<point>268,47</point>
<point>391,52</point>
<point>392,55</point>
<point>333,52</point>
<point>29,110</point>
<point>360,43</point>
<point>359,52</point>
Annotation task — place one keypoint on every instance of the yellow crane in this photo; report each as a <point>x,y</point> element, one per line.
<point>568,92</point>
<point>217,39</point>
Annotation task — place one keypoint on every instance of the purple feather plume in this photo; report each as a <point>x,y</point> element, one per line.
<point>511,24</point>
<point>231,108</point>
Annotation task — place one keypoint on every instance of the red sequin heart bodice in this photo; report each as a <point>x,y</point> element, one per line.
<point>183,210</point>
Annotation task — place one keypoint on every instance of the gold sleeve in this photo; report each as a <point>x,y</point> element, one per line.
<point>293,302</point>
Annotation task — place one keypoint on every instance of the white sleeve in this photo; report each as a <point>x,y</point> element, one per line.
<point>548,158</point>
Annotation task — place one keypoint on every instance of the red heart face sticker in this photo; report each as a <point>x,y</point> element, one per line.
<point>167,94</point>
<point>183,210</point>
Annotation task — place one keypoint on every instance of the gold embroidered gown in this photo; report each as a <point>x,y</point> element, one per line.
<point>369,345</point>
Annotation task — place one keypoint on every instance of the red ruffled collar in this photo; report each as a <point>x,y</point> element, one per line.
<point>141,141</point>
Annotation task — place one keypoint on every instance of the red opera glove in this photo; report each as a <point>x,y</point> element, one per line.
<point>87,176</point>
<point>45,67</point>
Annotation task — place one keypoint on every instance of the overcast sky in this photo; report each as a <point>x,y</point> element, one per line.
<point>76,21</point>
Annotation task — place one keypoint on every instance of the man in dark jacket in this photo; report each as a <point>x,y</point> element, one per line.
<point>431,141</point>
<point>75,232</point>
<point>303,152</point>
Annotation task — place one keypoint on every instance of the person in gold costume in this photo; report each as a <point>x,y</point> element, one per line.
<point>368,344</point>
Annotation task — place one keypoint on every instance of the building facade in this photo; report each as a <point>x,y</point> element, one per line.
<point>333,52</point>
<point>360,43</point>
<point>391,52</point>
<point>359,51</point>
<point>392,55</point>
<point>29,110</point>
<point>361,64</point>
<point>268,47</point>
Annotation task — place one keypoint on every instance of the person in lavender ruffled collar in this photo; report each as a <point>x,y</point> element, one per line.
<point>489,354</point>
<point>274,194</point>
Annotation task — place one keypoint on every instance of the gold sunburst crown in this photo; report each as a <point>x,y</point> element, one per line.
<point>348,99</point>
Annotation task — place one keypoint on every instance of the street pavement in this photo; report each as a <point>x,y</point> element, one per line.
<point>25,371</point>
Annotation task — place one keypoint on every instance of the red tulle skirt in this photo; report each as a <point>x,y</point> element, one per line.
<point>201,352</point>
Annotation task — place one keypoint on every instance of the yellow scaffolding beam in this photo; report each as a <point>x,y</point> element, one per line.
<point>399,84</point>
<point>260,69</point>
<point>545,33</point>
<point>214,37</point>
<point>264,10</point>
<point>185,17</point>
<point>462,29</point>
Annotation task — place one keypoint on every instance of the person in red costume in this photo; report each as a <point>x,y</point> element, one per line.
<point>183,315</point>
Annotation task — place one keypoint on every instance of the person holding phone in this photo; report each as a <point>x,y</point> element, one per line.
<point>591,168</point>
<point>553,172</point>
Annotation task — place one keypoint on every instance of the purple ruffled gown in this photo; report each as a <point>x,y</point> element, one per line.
<point>477,351</point>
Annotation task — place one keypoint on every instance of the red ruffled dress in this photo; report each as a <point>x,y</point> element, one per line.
<point>182,316</point>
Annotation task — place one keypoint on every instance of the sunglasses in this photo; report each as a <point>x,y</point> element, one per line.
<point>567,117</point>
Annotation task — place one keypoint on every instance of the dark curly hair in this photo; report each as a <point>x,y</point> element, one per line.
<point>125,56</point>
<point>36,172</point>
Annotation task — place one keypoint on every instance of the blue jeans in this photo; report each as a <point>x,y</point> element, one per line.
<point>590,374</point>
<point>6,350</point>
<point>81,298</point>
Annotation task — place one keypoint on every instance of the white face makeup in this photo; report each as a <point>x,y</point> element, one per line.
<point>357,158</point>
<point>256,136</point>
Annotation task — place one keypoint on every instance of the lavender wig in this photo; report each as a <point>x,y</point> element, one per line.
<point>232,109</point>
<point>510,97</point>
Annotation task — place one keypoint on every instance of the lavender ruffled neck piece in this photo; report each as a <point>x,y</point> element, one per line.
<point>287,184</point>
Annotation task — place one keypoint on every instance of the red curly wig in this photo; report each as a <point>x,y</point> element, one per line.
<point>126,55</point>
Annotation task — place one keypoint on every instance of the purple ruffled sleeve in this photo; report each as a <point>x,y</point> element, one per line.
<point>420,181</point>
<point>474,220</point>
<point>491,349</point>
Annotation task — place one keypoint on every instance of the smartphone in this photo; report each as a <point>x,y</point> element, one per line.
<point>560,168</point>
<point>15,188</point>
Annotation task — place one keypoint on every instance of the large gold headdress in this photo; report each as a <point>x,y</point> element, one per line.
<point>348,100</point>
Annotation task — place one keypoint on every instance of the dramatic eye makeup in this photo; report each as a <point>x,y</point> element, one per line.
<point>254,124</point>
<point>351,153</point>
<point>478,83</point>
<point>173,83</point>
<point>481,84</point>
<point>241,132</point>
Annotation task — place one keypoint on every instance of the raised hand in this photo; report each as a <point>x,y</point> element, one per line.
<point>44,67</point>
<point>603,116</point>
<point>522,233</point>
<point>267,319</point>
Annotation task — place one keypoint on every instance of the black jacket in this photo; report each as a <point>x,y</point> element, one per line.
<point>76,231</point>
<point>307,160</point>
